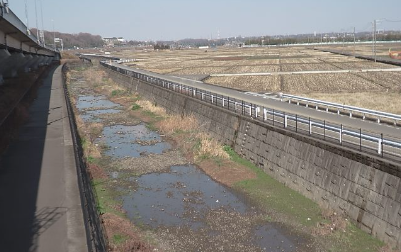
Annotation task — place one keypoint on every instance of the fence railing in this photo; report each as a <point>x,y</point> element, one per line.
<point>357,138</point>
<point>96,232</point>
<point>340,107</point>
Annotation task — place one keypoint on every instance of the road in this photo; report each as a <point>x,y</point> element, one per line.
<point>278,105</point>
<point>40,200</point>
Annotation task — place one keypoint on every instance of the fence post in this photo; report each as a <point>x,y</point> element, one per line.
<point>264,114</point>
<point>273,117</point>
<point>285,120</point>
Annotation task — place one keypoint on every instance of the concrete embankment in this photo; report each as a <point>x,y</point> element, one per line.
<point>363,187</point>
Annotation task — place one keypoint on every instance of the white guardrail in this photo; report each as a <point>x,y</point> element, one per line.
<point>369,142</point>
<point>339,108</point>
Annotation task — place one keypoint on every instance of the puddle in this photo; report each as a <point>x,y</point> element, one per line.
<point>180,197</point>
<point>132,141</point>
<point>269,238</point>
<point>90,101</point>
<point>91,115</point>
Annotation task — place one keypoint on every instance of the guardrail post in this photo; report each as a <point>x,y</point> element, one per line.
<point>273,117</point>
<point>310,127</point>
<point>379,147</point>
<point>202,96</point>
<point>350,114</point>
<point>341,134</point>
<point>228,102</point>
<point>250,110</point>
<point>216,98</point>
<point>257,110</point>
<point>360,139</point>
<point>296,123</point>
<point>264,114</point>
<point>243,108</point>
<point>223,102</point>
<point>324,129</point>
<point>285,120</point>
<point>212,98</point>
<point>378,120</point>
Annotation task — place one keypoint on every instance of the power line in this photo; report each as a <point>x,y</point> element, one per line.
<point>391,21</point>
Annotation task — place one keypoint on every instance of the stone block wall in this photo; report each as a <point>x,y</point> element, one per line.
<point>365,188</point>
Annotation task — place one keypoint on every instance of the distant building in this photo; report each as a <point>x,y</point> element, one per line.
<point>113,41</point>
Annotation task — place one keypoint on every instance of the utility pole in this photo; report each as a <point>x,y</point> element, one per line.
<point>374,39</point>
<point>54,35</point>
<point>42,33</point>
<point>343,41</point>
<point>37,26</point>
<point>354,43</point>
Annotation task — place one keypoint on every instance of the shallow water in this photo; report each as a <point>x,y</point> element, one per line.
<point>91,115</point>
<point>90,101</point>
<point>166,198</point>
<point>132,141</point>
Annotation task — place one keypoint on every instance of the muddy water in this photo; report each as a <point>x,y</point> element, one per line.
<point>181,196</point>
<point>132,141</point>
<point>92,106</point>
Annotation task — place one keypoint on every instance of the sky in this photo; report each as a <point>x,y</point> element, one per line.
<point>179,19</point>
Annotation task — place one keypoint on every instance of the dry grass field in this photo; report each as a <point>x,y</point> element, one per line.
<point>372,90</point>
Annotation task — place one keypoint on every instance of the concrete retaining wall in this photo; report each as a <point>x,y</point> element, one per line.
<point>365,188</point>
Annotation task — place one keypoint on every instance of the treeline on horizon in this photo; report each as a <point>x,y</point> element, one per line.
<point>87,40</point>
<point>81,40</point>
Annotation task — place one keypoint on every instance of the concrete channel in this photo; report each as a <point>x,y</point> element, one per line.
<point>177,198</point>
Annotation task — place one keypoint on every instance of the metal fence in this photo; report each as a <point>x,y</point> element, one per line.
<point>357,138</point>
<point>96,234</point>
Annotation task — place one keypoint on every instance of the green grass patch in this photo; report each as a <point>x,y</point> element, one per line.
<point>105,198</point>
<point>150,114</point>
<point>271,194</point>
<point>135,107</point>
<point>92,160</point>
<point>119,239</point>
<point>353,240</point>
<point>117,92</point>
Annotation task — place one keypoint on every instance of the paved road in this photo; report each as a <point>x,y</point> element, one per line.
<point>278,105</point>
<point>40,201</point>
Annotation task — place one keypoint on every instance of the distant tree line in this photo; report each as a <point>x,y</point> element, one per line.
<point>161,47</point>
<point>81,40</point>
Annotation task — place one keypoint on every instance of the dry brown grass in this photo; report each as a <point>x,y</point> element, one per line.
<point>210,147</point>
<point>149,106</point>
<point>88,134</point>
<point>334,222</point>
<point>388,248</point>
<point>176,123</point>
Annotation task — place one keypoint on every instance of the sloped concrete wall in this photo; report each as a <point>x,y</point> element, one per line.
<point>365,188</point>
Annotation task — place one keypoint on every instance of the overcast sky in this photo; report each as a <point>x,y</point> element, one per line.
<point>178,19</point>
